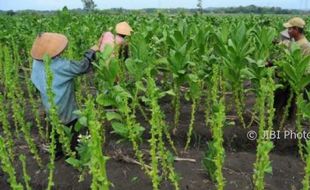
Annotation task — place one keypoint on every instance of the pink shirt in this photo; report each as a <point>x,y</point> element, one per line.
<point>109,38</point>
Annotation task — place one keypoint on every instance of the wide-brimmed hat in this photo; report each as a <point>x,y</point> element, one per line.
<point>123,28</point>
<point>51,44</point>
<point>295,22</point>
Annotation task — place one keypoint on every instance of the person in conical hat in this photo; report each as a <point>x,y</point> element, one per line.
<point>122,30</point>
<point>64,71</point>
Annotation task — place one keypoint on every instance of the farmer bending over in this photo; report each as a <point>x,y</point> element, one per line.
<point>117,41</point>
<point>64,71</point>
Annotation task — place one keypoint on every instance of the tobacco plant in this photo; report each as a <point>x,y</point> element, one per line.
<point>295,69</point>
<point>8,167</point>
<point>263,163</point>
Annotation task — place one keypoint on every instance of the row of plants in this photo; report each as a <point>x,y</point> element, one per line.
<point>195,58</point>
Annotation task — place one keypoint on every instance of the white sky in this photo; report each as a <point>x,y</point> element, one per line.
<point>138,4</point>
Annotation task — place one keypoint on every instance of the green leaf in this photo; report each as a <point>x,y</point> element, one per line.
<point>120,129</point>
<point>104,100</point>
<point>246,73</point>
<point>169,92</point>
<point>77,112</point>
<point>305,81</point>
<point>134,179</point>
<point>290,71</point>
<point>162,60</point>
<point>73,162</point>
<point>78,126</point>
<point>113,116</point>
<point>181,71</point>
<point>107,52</point>
<point>140,86</point>
<point>83,121</point>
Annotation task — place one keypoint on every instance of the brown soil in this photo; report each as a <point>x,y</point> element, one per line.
<point>238,168</point>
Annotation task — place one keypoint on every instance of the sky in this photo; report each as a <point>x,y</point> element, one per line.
<point>139,4</point>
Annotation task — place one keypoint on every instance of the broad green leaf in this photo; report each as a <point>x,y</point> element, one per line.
<point>113,116</point>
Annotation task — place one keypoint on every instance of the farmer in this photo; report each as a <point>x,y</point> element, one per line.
<point>295,29</point>
<point>122,29</point>
<point>64,71</point>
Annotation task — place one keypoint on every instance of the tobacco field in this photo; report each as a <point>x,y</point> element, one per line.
<point>175,115</point>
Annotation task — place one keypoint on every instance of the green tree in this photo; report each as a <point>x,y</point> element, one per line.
<point>89,5</point>
<point>199,6</point>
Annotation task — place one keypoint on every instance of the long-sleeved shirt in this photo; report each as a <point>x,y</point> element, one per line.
<point>304,45</point>
<point>64,71</point>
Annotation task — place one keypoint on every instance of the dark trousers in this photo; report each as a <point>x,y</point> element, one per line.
<point>280,103</point>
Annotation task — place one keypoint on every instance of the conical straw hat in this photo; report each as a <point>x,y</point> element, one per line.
<point>51,44</point>
<point>123,28</point>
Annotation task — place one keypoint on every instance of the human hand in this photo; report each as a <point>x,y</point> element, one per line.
<point>95,48</point>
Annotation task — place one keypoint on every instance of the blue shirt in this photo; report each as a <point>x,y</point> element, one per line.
<point>64,71</point>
